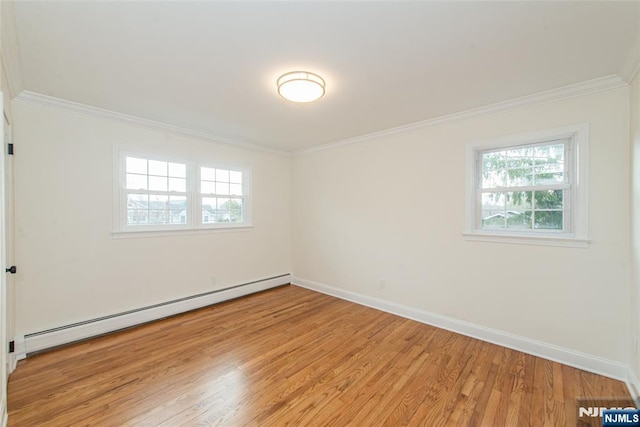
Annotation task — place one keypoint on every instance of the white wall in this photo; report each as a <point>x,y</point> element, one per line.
<point>635,220</point>
<point>393,208</point>
<point>71,269</point>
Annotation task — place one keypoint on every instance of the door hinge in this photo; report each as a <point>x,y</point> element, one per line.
<point>12,346</point>
<point>10,149</point>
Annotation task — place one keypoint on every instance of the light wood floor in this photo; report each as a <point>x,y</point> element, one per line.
<point>296,357</point>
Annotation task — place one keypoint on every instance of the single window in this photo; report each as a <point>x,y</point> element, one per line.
<point>222,195</point>
<point>529,186</point>
<point>156,192</point>
<point>526,187</point>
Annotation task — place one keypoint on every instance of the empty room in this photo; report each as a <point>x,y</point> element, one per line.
<point>320,213</point>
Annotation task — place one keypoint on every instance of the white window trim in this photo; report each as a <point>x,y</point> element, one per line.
<point>246,195</point>
<point>578,236</point>
<point>194,223</point>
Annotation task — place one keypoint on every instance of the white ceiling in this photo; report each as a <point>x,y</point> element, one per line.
<point>212,66</point>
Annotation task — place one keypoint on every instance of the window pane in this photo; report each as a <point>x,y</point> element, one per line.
<point>209,203</point>
<point>235,177</point>
<point>493,161</point>
<point>136,182</point>
<point>551,173</point>
<point>223,216</point>
<point>556,152</point>
<point>137,201</point>
<point>520,152</point>
<point>551,151</point>
<point>135,165</point>
<point>208,174</point>
<point>223,203</point>
<point>178,170</point>
<point>209,210</point>
<point>177,202</point>
<point>208,217</point>
<point>157,168</point>
<point>236,210</point>
<point>236,215</point>
<point>519,220</point>
<point>494,178</point>
<point>207,187</point>
<point>157,183</point>
<point>518,201</point>
<point>158,216</point>
<point>158,201</point>
<point>178,216</point>
<point>235,189</point>
<point>222,175</point>
<point>234,204</point>
<point>222,188</point>
<point>137,216</point>
<point>492,219</point>
<point>523,166</point>
<point>493,210</point>
<point>178,184</point>
<point>493,201</point>
<point>519,177</point>
<point>548,220</point>
<point>506,209</point>
<point>518,162</point>
<point>549,199</point>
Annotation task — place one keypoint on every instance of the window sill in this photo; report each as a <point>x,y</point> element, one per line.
<point>179,232</point>
<point>519,239</point>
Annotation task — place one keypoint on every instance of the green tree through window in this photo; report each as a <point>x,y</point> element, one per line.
<point>524,187</point>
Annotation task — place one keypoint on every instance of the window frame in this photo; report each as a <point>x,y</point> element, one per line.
<point>246,196</point>
<point>575,209</point>
<point>194,223</point>
<point>123,191</point>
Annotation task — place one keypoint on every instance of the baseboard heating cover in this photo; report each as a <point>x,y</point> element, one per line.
<point>43,340</point>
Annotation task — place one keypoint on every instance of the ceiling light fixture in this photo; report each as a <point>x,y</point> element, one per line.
<point>301,86</point>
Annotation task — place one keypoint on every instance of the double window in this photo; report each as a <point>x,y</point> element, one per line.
<point>529,188</point>
<point>158,194</point>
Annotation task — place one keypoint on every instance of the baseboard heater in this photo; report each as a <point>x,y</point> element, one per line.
<point>50,338</point>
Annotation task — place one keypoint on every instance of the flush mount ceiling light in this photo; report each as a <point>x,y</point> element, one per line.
<point>301,86</point>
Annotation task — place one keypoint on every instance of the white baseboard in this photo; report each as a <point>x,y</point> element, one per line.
<point>566,356</point>
<point>12,361</point>
<point>633,384</point>
<point>20,350</point>
<point>55,337</point>
<point>5,412</point>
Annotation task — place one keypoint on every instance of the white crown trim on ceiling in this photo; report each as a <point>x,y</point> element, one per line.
<point>578,89</point>
<point>570,91</point>
<point>88,110</point>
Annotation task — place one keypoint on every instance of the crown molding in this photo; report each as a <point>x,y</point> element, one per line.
<point>570,91</point>
<point>88,110</point>
<point>631,63</point>
<point>10,51</point>
<point>590,86</point>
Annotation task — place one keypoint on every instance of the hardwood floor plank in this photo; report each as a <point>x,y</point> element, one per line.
<point>290,356</point>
